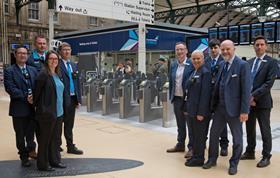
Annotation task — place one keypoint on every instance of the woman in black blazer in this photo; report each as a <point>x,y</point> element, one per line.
<point>48,101</point>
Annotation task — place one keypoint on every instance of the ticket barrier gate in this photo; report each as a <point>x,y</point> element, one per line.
<point>127,109</point>
<point>109,106</point>
<point>94,102</point>
<point>146,111</point>
<point>168,114</point>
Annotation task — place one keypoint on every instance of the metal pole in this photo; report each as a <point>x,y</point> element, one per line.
<point>5,41</point>
<point>51,27</point>
<point>142,47</point>
<point>2,31</point>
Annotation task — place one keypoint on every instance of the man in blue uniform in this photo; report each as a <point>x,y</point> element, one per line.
<point>38,55</point>
<point>19,83</point>
<point>230,104</point>
<point>70,75</point>
<point>213,62</point>
<point>263,74</point>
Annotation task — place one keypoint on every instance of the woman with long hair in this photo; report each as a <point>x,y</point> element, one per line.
<point>48,101</point>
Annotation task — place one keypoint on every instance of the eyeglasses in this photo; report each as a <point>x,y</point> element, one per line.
<point>66,50</point>
<point>52,58</point>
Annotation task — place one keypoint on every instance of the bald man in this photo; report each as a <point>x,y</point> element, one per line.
<point>197,107</point>
<point>231,104</point>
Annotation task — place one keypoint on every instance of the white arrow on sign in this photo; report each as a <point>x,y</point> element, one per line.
<point>141,11</point>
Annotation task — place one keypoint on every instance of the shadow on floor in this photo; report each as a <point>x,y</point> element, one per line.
<point>75,166</point>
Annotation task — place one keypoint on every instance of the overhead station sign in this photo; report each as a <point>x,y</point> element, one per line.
<point>140,11</point>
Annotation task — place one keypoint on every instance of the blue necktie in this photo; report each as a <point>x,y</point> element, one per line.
<point>72,89</point>
<point>27,77</point>
<point>255,69</point>
<point>213,62</point>
<point>225,70</point>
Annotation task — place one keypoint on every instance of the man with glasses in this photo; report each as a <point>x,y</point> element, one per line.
<point>19,83</point>
<point>69,71</point>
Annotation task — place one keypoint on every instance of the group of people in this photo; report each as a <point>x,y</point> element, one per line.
<point>44,93</point>
<point>125,68</point>
<point>227,90</point>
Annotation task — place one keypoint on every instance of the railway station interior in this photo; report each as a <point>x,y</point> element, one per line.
<point>126,122</point>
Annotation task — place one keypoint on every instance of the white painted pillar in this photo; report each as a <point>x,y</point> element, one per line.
<point>51,27</point>
<point>142,47</point>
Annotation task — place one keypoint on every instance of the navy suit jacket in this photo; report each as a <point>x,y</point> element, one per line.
<point>17,87</point>
<point>172,76</point>
<point>37,63</point>
<point>213,69</point>
<point>237,88</point>
<point>66,82</point>
<point>263,82</point>
<point>198,94</point>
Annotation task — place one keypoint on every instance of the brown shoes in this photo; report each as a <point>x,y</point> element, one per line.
<point>189,154</point>
<point>175,149</point>
<point>33,154</point>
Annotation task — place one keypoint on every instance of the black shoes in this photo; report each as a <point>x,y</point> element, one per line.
<point>194,163</point>
<point>232,170</point>
<point>32,154</point>
<point>176,149</point>
<point>74,150</point>
<point>247,156</point>
<point>59,165</point>
<point>25,163</point>
<point>48,169</point>
<point>224,152</point>
<point>264,162</point>
<point>209,164</point>
<point>60,149</point>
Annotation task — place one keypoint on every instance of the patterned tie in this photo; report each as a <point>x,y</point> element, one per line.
<point>72,89</point>
<point>225,70</point>
<point>23,70</point>
<point>255,69</point>
<point>213,63</point>
<point>27,78</point>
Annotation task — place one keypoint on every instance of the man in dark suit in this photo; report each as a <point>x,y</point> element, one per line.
<point>263,74</point>
<point>230,103</point>
<point>19,84</point>
<point>70,75</point>
<point>36,59</point>
<point>38,55</point>
<point>198,97</point>
<point>180,70</point>
<point>213,62</point>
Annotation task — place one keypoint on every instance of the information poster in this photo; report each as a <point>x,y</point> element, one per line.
<point>233,34</point>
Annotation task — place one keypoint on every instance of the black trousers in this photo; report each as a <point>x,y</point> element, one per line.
<point>182,120</point>
<point>31,133</point>
<point>21,125</point>
<point>219,121</point>
<point>199,129</point>
<point>68,120</point>
<point>263,117</point>
<point>224,138</point>
<point>48,147</point>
